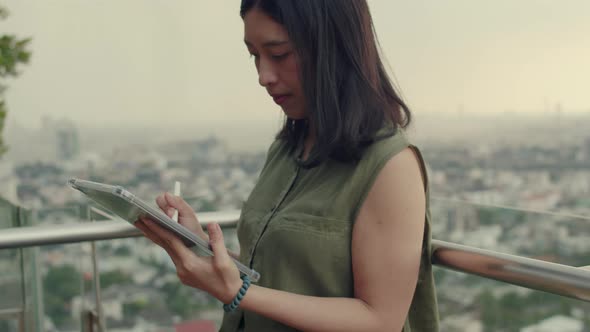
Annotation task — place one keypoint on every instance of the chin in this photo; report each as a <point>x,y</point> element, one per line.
<point>294,114</point>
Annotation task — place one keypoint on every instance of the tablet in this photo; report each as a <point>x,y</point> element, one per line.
<point>129,207</point>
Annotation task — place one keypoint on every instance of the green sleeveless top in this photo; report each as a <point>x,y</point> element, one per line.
<point>296,229</point>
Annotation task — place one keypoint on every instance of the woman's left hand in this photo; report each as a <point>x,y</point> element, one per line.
<point>217,275</point>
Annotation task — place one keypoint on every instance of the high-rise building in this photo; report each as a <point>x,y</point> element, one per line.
<point>67,140</point>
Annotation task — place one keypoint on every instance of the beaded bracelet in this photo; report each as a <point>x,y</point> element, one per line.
<point>236,302</point>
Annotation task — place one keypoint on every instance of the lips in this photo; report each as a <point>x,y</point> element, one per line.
<point>280,99</point>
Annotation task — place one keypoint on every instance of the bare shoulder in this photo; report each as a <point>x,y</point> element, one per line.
<point>405,163</point>
<point>399,185</point>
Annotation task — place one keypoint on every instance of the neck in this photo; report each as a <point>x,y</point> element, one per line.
<point>309,141</point>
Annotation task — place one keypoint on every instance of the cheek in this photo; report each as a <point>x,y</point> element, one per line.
<point>292,74</point>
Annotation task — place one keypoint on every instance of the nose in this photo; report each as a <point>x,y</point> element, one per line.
<point>267,75</point>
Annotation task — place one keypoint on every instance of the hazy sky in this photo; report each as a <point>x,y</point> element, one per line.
<point>173,63</point>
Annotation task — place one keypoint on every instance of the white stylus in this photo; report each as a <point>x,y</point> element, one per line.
<point>176,193</point>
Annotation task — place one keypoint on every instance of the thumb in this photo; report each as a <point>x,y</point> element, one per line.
<point>220,256</point>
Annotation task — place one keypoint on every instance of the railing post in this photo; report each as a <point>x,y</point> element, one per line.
<point>89,321</point>
<point>38,305</point>
<point>21,321</point>
<point>96,276</point>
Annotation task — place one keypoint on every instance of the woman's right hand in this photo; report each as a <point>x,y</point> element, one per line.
<point>186,215</point>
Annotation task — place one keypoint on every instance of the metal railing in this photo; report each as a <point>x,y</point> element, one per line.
<point>531,273</point>
<point>14,314</point>
<point>90,321</point>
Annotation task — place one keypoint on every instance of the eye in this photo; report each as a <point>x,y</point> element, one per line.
<point>280,57</point>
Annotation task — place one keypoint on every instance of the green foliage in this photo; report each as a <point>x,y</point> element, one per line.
<point>132,309</point>
<point>577,259</point>
<point>439,274</point>
<point>3,12</point>
<point>511,311</point>
<point>122,251</point>
<point>493,216</point>
<point>7,326</point>
<point>3,147</point>
<point>182,301</point>
<point>60,285</point>
<point>9,255</point>
<point>178,302</point>
<point>115,277</point>
<point>13,52</point>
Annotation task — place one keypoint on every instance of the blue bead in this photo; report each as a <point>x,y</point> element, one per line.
<point>236,301</point>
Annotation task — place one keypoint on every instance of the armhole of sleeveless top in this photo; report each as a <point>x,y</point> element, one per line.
<point>422,164</point>
<point>373,177</point>
<point>426,241</point>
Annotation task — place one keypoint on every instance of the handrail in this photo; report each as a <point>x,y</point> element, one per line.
<point>531,273</point>
<point>447,200</point>
<point>10,313</point>
<point>20,237</point>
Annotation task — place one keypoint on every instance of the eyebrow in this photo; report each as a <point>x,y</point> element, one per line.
<point>271,43</point>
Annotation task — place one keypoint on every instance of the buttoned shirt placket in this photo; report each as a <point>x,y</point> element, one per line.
<point>275,207</point>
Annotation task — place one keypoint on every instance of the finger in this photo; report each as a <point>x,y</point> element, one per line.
<point>221,258</point>
<point>154,232</point>
<point>179,204</point>
<point>186,214</point>
<point>194,226</point>
<point>164,206</point>
<point>163,234</point>
<point>170,242</point>
<point>185,261</point>
<point>148,233</point>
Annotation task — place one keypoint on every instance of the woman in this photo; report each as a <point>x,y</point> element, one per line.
<point>338,223</point>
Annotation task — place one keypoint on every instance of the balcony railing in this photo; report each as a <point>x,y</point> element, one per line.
<point>568,281</point>
<point>17,315</point>
<point>536,274</point>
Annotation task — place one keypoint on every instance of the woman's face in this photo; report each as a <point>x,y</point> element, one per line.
<point>276,62</point>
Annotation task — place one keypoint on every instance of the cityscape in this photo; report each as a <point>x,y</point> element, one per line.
<point>527,195</point>
<point>145,94</point>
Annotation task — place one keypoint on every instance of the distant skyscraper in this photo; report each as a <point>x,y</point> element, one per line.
<point>68,143</point>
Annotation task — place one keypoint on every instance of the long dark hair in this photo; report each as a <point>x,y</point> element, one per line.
<point>349,96</point>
